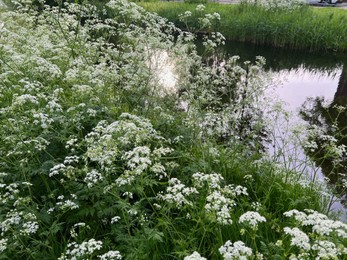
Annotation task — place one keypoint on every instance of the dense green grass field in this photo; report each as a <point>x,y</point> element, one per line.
<point>305,28</point>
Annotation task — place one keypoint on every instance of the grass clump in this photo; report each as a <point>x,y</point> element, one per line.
<point>100,160</point>
<point>305,28</point>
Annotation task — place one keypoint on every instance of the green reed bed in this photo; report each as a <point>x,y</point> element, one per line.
<point>304,28</point>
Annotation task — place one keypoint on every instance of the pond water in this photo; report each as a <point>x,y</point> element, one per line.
<point>303,75</point>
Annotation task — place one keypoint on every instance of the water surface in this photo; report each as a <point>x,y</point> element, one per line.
<point>302,75</point>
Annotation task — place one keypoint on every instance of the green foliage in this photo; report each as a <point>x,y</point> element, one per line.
<point>307,28</point>
<point>195,1</point>
<point>100,159</point>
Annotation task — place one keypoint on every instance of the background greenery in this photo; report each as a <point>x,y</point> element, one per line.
<point>304,28</point>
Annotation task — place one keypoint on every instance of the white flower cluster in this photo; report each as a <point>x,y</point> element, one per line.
<point>43,120</point>
<point>213,180</point>
<point>327,236</point>
<point>236,250</point>
<point>232,81</point>
<point>3,244</point>
<point>30,227</point>
<point>8,192</point>
<point>208,20</point>
<point>127,140</point>
<point>93,178</point>
<point>328,143</point>
<point>13,218</point>
<point>219,200</point>
<point>298,238</point>
<point>252,218</point>
<point>20,100</point>
<point>65,169</point>
<point>177,193</point>
<point>220,206</point>
<point>26,222</point>
<point>111,255</point>
<point>115,219</point>
<point>84,249</point>
<point>326,250</point>
<point>65,204</point>
<point>200,8</point>
<point>320,223</point>
<point>138,160</point>
<point>272,5</point>
<point>184,16</point>
<point>194,256</point>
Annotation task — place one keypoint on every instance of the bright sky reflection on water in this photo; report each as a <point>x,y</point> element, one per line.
<point>300,84</point>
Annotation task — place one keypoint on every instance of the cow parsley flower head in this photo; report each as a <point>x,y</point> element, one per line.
<point>93,178</point>
<point>325,250</point>
<point>238,250</point>
<point>298,215</point>
<point>3,244</point>
<point>252,218</point>
<point>213,180</point>
<point>200,8</point>
<point>30,227</point>
<point>177,193</point>
<point>219,207</point>
<point>111,255</point>
<point>86,248</point>
<point>115,219</point>
<point>298,238</point>
<point>319,222</point>
<point>194,256</point>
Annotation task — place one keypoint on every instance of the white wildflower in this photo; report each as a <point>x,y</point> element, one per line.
<point>256,205</point>
<point>213,180</point>
<point>115,219</point>
<point>200,8</point>
<point>298,215</point>
<point>3,244</point>
<point>93,178</point>
<point>87,248</point>
<point>111,255</point>
<point>325,250</point>
<point>239,190</point>
<point>298,238</point>
<point>185,15</point>
<point>220,206</point>
<point>30,227</point>
<point>252,218</point>
<point>194,256</point>
<point>238,250</point>
<point>43,120</point>
<point>20,100</point>
<point>177,193</point>
<point>57,169</point>
<point>67,204</point>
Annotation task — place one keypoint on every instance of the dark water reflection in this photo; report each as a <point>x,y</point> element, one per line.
<point>281,59</point>
<point>311,79</point>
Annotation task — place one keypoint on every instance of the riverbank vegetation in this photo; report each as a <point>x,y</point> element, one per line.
<point>99,159</point>
<point>309,28</point>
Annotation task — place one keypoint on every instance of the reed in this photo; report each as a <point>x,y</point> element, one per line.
<point>308,28</point>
